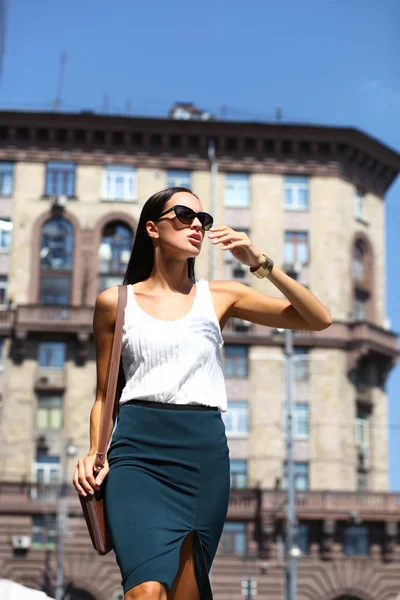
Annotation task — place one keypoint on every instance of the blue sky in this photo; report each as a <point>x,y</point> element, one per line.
<point>325,62</point>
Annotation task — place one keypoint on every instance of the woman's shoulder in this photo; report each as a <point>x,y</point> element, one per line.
<point>107,300</point>
<point>225,286</point>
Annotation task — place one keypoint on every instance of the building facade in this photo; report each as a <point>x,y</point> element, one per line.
<point>312,198</point>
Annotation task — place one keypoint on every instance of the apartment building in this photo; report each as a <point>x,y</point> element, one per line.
<point>71,191</point>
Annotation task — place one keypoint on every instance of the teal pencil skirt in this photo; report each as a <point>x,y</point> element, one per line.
<point>169,476</point>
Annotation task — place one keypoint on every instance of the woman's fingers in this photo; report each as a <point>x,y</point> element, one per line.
<point>76,483</point>
<point>102,474</point>
<point>84,480</point>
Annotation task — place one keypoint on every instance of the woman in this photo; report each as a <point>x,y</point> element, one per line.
<point>167,475</point>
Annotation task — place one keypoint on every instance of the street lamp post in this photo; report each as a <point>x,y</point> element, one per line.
<point>62,520</point>
<point>291,562</point>
<point>213,198</point>
<point>291,523</point>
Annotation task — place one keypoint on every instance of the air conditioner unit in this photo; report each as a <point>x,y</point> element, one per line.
<point>21,542</point>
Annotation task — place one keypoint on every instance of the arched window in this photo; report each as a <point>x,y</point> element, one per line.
<point>361,268</point>
<point>359,256</point>
<point>114,252</point>
<point>56,260</point>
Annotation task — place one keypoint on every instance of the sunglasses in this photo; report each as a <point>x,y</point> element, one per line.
<point>186,216</point>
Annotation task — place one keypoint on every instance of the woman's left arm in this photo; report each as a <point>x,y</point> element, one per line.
<point>300,310</point>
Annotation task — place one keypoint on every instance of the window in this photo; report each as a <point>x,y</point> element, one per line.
<point>119,183</point>
<point>238,473</point>
<point>6,178</point>
<point>301,427</point>
<point>236,419</point>
<point>56,258</point>
<point>362,481</point>
<point>235,361</point>
<point>303,541</point>
<point>362,427</point>
<point>178,178</point>
<point>296,192</point>
<point>300,363</point>
<point>359,201</point>
<point>49,412</point>
<point>114,253</point>
<point>60,179</point>
<point>51,354</point>
<point>296,247</point>
<point>237,190</point>
<point>44,534</point>
<point>360,304</point>
<point>356,540</point>
<point>5,233</point>
<point>234,538</point>
<point>47,470</point>
<point>300,476</point>
<point>3,289</point>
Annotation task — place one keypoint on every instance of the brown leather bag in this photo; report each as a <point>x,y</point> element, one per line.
<point>93,505</point>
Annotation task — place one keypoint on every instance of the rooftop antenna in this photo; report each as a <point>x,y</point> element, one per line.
<point>128,106</point>
<point>278,112</point>
<point>61,73</point>
<point>105,104</point>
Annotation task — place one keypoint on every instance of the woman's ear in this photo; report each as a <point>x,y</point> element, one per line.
<point>152,230</point>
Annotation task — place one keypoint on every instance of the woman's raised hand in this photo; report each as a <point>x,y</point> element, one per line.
<point>238,243</point>
<point>85,480</point>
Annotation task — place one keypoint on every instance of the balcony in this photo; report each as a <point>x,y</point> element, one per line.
<point>49,378</point>
<point>380,506</point>
<point>63,319</point>
<point>6,320</point>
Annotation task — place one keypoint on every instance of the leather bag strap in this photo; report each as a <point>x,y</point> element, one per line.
<point>115,358</point>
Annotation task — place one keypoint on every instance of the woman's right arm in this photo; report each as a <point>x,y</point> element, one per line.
<point>103,329</point>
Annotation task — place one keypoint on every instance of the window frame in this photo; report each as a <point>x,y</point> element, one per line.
<point>49,411</point>
<point>299,238</point>
<point>359,205</point>
<point>238,474</point>
<point>232,531</point>
<point>178,180</point>
<point>234,415</point>
<point>290,185</point>
<point>3,290</point>
<point>236,361</point>
<point>350,538</point>
<point>5,235</point>
<point>65,169</point>
<point>233,184</point>
<point>4,176</point>
<point>52,346</point>
<point>110,184</point>
<point>297,476</point>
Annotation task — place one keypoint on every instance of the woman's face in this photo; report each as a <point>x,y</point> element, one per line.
<point>175,237</point>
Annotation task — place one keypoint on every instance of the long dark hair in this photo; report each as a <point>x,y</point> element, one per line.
<point>141,260</point>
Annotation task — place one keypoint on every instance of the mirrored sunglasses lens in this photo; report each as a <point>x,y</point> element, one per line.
<point>206,221</point>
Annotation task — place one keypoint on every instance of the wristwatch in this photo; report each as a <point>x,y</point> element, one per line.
<point>265,268</point>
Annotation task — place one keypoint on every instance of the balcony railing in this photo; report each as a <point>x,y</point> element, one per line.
<point>37,317</point>
<point>49,378</point>
<point>339,504</point>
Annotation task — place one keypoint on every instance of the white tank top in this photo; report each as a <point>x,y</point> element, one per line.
<point>175,361</point>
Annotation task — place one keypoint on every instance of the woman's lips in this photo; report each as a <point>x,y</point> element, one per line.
<point>195,240</point>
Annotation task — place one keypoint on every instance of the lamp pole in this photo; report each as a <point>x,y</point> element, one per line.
<point>291,523</point>
<point>213,198</point>
<point>62,520</point>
